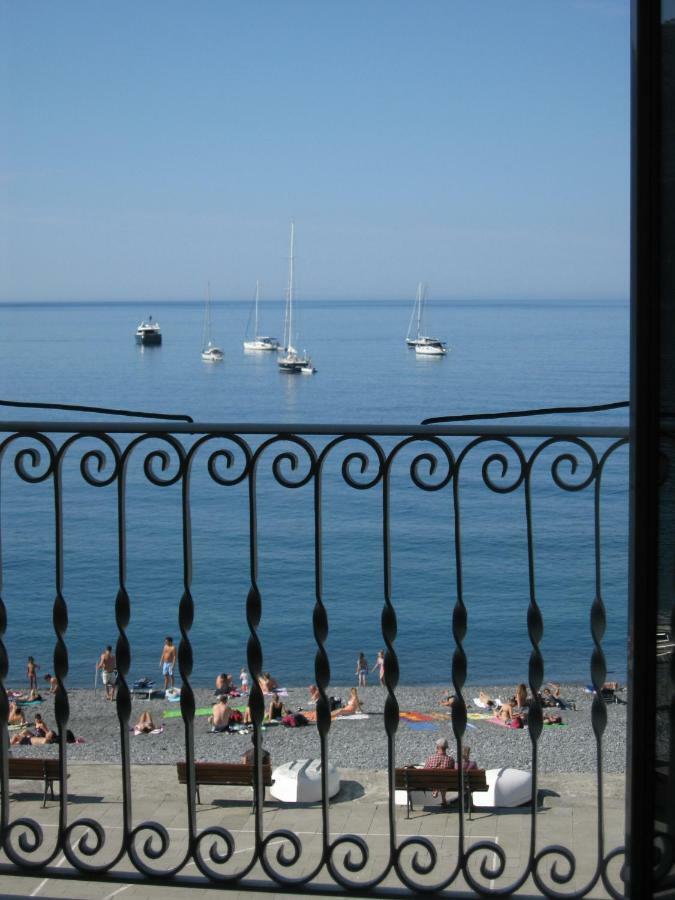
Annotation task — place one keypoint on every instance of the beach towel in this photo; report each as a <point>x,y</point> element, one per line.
<point>352,716</point>
<point>202,711</point>
<point>421,726</point>
<point>414,716</point>
<point>29,702</point>
<point>554,724</point>
<point>475,715</point>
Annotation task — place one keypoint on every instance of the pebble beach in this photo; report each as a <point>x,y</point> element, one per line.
<point>359,743</point>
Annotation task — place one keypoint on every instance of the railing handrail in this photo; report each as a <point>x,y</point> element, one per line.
<point>315,428</point>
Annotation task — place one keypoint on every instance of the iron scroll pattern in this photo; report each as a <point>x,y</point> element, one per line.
<point>366,460</point>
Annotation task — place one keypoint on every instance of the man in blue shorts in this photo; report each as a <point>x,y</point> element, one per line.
<point>167,661</point>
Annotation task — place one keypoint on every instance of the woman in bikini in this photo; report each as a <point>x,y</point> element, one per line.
<point>379,664</point>
<point>362,669</point>
<point>352,706</point>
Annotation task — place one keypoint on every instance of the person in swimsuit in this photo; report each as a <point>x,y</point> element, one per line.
<point>15,716</point>
<point>276,709</point>
<point>362,669</point>
<point>221,714</point>
<point>243,679</point>
<point>53,683</point>
<point>145,724</point>
<point>108,667</point>
<point>31,671</point>
<point>167,661</point>
<point>518,707</point>
<point>352,706</point>
<point>379,664</point>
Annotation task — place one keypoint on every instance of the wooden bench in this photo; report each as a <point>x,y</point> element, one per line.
<point>237,774</point>
<point>411,779</point>
<point>46,770</point>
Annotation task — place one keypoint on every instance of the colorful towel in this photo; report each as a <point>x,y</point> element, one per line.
<point>414,716</point>
<point>475,715</point>
<point>202,711</point>
<point>422,726</point>
<point>29,702</point>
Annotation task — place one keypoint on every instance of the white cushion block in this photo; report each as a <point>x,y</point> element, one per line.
<point>506,787</point>
<point>299,781</point>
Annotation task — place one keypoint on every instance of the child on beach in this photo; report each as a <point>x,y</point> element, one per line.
<point>362,669</point>
<point>53,683</point>
<point>243,678</point>
<point>31,671</point>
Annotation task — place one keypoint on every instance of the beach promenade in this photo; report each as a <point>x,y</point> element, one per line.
<point>566,815</point>
<point>567,812</point>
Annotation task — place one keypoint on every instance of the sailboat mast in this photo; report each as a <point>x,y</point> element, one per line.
<point>257,291</point>
<point>419,308</point>
<point>291,263</point>
<point>206,336</point>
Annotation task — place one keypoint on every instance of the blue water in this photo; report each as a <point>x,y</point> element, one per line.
<point>503,355</point>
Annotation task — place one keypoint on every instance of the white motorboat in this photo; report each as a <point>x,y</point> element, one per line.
<point>259,341</point>
<point>210,353</point>
<point>415,338</point>
<point>292,362</point>
<point>149,333</point>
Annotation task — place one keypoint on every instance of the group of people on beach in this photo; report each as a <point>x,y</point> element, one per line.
<point>363,669</point>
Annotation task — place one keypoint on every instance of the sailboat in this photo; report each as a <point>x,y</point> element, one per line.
<point>292,362</point>
<point>260,342</point>
<point>210,353</point>
<point>420,343</point>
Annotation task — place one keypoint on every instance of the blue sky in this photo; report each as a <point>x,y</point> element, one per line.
<point>148,147</point>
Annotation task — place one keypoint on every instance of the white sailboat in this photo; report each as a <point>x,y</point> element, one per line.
<point>421,343</point>
<point>292,362</point>
<point>260,342</point>
<point>210,353</point>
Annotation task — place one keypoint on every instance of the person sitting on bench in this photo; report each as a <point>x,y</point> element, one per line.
<point>440,760</point>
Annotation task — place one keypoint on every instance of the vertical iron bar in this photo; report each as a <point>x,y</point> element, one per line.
<point>4,700</point>
<point>60,622</point>
<point>123,650</point>
<point>321,662</point>
<point>646,255</point>
<point>185,619</point>
<point>389,630</point>
<point>535,630</point>
<point>459,661</point>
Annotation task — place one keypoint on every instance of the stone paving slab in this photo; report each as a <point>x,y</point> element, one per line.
<point>567,816</point>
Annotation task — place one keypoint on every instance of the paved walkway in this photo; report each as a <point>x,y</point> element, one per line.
<point>567,816</point>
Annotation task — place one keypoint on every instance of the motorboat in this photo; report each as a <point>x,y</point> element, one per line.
<point>259,341</point>
<point>149,333</point>
<point>292,362</point>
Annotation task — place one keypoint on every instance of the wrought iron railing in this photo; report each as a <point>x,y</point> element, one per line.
<point>298,454</point>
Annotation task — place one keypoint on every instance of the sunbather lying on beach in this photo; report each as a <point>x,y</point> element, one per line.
<point>487,701</point>
<point>145,724</point>
<point>29,737</point>
<point>352,706</point>
<point>448,700</point>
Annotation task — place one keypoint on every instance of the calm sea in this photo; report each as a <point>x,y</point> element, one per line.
<point>505,355</point>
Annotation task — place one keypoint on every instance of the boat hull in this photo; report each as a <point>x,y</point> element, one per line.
<point>149,340</point>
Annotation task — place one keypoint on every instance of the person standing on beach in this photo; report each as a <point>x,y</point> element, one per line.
<point>379,664</point>
<point>108,666</point>
<point>167,661</point>
<point>31,671</point>
<point>362,669</point>
<point>243,678</point>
